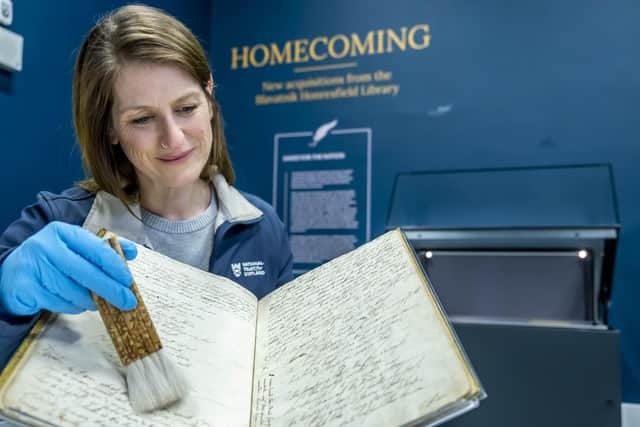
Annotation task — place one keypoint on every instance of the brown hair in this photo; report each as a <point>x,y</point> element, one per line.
<point>132,33</point>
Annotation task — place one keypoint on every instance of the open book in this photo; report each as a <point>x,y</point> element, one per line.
<point>361,340</point>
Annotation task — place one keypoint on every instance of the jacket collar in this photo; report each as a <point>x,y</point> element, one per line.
<point>109,212</point>
<point>233,207</point>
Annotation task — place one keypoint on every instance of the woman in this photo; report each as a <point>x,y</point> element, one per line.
<point>151,139</point>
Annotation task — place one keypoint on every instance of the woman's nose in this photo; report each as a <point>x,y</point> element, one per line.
<point>172,135</point>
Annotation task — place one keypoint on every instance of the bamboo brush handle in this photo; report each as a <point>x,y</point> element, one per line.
<point>132,332</point>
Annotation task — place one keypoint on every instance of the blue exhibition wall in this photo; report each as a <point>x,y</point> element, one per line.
<point>337,98</point>
<point>38,148</point>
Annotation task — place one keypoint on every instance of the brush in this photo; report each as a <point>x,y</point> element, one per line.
<point>153,382</point>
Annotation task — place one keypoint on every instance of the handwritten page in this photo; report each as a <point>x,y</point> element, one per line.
<point>357,341</point>
<point>207,327</point>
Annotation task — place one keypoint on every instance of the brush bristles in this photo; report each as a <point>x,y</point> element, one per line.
<point>154,383</point>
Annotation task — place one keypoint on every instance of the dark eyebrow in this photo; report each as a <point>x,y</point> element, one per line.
<point>193,93</point>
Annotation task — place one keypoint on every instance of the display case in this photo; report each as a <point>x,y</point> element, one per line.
<point>514,244</point>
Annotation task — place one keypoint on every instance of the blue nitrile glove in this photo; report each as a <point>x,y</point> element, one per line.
<point>56,267</point>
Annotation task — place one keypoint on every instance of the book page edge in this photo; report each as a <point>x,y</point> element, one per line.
<point>21,354</point>
<point>446,413</point>
<point>475,388</point>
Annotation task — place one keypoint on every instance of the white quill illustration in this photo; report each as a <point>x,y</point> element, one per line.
<point>322,132</point>
<point>440,111</point>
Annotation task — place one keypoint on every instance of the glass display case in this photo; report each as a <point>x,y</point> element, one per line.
<point>534,243</point>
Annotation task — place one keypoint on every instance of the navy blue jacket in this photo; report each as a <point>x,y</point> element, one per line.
<point>247,231</point>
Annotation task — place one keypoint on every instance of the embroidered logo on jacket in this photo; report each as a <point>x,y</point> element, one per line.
<point>236,268</point>
<point>248,268</point>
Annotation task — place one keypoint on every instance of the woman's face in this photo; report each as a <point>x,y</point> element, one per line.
<point>161,119</point>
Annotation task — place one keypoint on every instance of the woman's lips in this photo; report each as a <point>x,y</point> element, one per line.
<point>176,158</point>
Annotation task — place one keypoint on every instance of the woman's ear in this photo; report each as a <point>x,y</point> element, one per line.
<point>210,85</point>
<point>210,101</point>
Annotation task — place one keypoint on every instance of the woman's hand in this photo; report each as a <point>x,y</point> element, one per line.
<point>57,267</point>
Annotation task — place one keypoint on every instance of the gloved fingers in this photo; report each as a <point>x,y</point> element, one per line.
<point>93,249</point>
<point>57,283</point>
<point>129,248</point>
<point>28,303</point>
<point>92,277</point>
<point>49,301</point>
